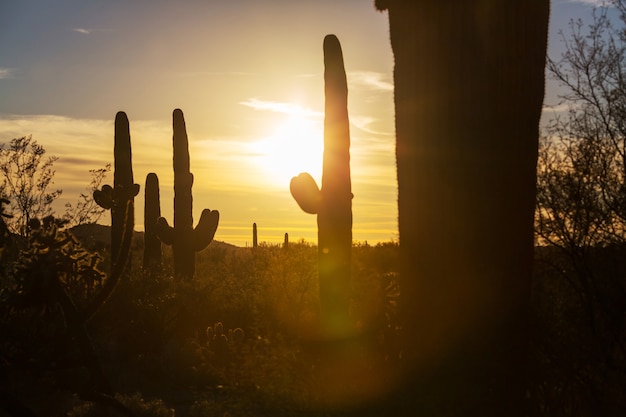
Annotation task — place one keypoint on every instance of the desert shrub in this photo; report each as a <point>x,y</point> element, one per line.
<point>135,404</point>
<point>151,334</point>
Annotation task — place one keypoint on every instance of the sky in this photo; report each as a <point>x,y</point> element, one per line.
<point>248,75</point>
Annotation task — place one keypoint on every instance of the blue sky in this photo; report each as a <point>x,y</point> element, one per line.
<point>247,74</point>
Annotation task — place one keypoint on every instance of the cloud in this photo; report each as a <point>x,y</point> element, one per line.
<point>84,144</point>
<point>227,174</point>
<point>360,122</point>
<point>6,73</point>
<point>364,122</point>
<point>86,31</point>
<point>281,107</point>
<point>371,80</point>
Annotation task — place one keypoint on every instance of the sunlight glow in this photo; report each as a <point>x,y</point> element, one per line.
<point>294,146</point>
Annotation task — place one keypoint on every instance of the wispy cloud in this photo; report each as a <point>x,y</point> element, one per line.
<point>83,31</point>
<point>281,107</point>
<point>559,107</point>
<point>5,73</point>
<point>84,144</point>
<point>364,123</point>
<point>371,80</point>
<point>228,174</point>
<point>360,122</point>
<point>89,31</point>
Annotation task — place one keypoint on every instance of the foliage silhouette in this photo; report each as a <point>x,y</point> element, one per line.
<point>27,175</point>
<point>51,291</point>
<point>580,220</point>
<point>86,210</point>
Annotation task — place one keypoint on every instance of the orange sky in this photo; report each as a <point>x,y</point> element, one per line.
<point>248,75</point>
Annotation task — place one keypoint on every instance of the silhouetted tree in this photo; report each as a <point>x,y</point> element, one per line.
<point>581,199</point>
<point>582,170</point>
<point>86,210</point>
<point>26,174</point>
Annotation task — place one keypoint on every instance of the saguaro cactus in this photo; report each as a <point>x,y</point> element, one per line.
<point>255,241</point>
<point>184,238</point>
<point>152,212</point>
<point>119,198</point>
<point>333,203</point>
<point>286,241</point>
<point>469,83</point>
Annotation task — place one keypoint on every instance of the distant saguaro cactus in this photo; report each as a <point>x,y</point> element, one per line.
<point>183,237</point>
<point>333,203</point>
<point>121,197</point>
<point>255,241</point>
<point>152,212</point>
<point>286,242</point>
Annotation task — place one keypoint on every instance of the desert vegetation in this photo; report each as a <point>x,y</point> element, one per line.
<point>465,317</point>
<point>238,338</point>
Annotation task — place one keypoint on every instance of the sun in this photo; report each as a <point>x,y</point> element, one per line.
<point>296,145</point>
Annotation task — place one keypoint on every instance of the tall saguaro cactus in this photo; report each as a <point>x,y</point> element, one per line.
<point>469,85</point>
<point>333,203</point>
<point>119,198</point>
<point>255,238</point>
<point>183,237</point>
<point>152,212</point>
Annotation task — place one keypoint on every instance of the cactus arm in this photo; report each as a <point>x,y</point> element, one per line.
<point>134,190</point>
<point>305,191</point>
<point>205,229</point>
<point>164,231</point>
<point>104,197</point>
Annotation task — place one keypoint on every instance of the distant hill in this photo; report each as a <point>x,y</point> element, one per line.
<point>97,237</point>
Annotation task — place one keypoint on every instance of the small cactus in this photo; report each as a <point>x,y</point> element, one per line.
<point>286,242</point>
<point>152,212</point>
<point>182,236</point>
<point>333,203</point>
<point>224,343</point>
<point>255,241</point>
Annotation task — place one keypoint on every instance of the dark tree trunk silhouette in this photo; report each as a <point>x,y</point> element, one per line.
<point>469,85</point>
